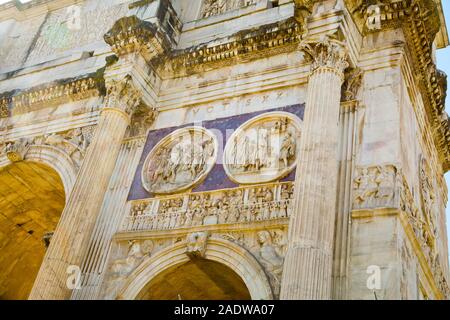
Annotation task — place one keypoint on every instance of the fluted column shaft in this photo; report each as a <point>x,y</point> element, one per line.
<point>79,216</point>
<point>308,264</point>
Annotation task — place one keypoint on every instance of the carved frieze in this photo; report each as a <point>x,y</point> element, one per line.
<point>51,95</point>
<point>376,187</point>
<point>425,234</point>
<point>216,7</point>
<point>275,38</point>
<point>226,207</point>
<point>180,161</point>
<point>264,149</point>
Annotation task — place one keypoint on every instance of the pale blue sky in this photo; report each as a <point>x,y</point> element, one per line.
<point>443,59</point>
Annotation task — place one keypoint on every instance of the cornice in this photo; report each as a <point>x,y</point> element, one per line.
<point>55,93</point>
<point>246,45</point>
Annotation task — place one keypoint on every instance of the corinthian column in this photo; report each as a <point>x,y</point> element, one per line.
<point>79,216</point>
<point>308,264</point>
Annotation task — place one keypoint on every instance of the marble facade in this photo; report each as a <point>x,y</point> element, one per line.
<point>290,149</point>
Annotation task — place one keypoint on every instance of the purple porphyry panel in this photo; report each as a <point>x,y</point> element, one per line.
<point>217,178</point>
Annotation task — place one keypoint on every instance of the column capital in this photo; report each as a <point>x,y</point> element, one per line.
<point>326,53</point>
<point>122,95</point>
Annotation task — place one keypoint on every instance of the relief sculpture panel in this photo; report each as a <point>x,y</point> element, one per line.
<point>264,149</point>
<point>180,161</point>
<point>376,187</point>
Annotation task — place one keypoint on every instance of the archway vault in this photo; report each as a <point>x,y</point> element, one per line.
<point>198,279</point>
<point>230,257</point>
<point>32,199</point>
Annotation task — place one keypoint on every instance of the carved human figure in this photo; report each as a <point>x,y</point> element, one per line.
<point>270,256</point>
<point>262,149</point>
<point>213,7</point>
<point>366,185</point>
<point>176,159</point>
<point>235,200</point>
<point>386,182</point>
<point>121,268</point>
<point>78,138</point>
<point>288,148</point>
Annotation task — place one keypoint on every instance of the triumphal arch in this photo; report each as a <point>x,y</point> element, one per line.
<point>212,149</point>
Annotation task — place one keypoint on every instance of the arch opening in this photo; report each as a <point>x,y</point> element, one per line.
<point>198,279</point>
<point>32,199</point>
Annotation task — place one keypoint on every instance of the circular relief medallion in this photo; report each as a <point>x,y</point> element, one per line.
<point>180,161</point>
<point>263,149</point>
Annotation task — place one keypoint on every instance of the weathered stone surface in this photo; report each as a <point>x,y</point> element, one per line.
<point>315,144</point>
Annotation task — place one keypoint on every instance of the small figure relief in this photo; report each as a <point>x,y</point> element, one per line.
<point>213,7</point>
<point>271,254</point>
<point>427,194</point>
<point>352,84</point>
<point>196,244</point>
<point>122,268</point>
<point>375,187</point>
<point>74,143</point>
<point>216,7</point>
<point>180,161</point>
<point>241,205</point>
<point>264,149</point>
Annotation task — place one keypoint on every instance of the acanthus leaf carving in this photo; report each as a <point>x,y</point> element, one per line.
<point>424,232</point>
<point>326,52</point>
<point>122,95</point>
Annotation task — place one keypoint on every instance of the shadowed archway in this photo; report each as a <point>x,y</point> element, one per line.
<point>32,199</point>
<point>196,280</point>
<point>228,257</point>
